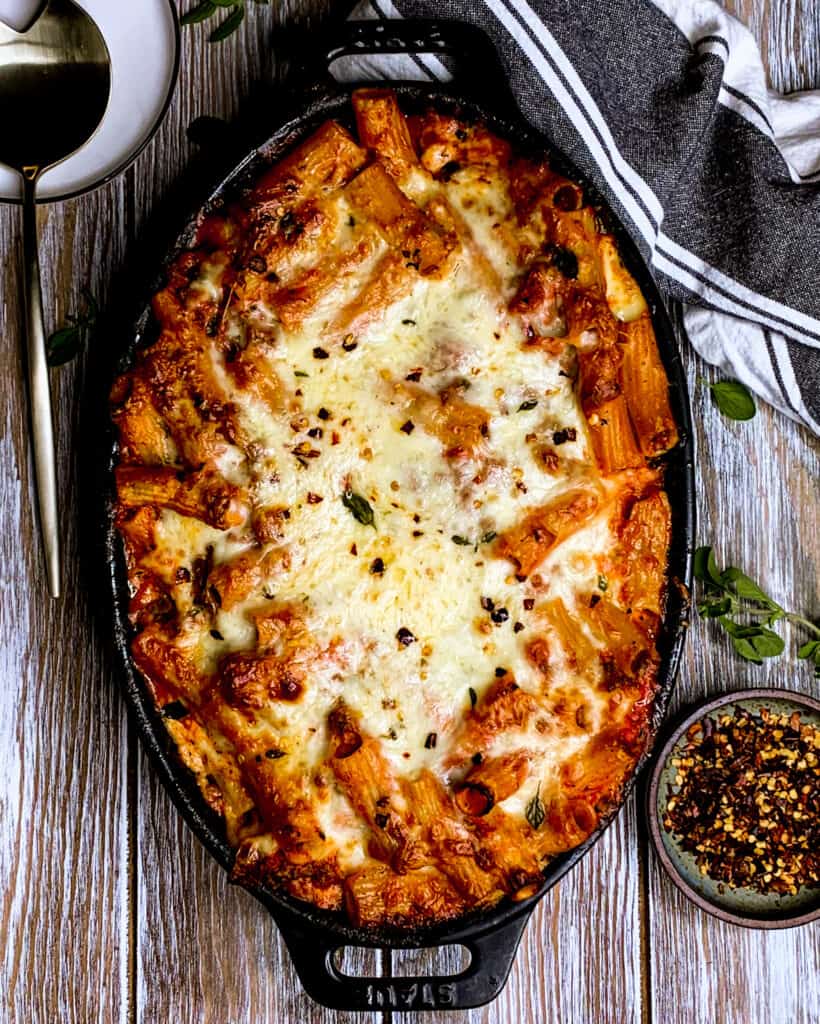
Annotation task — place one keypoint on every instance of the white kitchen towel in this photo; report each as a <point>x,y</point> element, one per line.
<point>663,104</point>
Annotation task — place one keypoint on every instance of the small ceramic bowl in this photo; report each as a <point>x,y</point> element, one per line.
<point>740,905</point>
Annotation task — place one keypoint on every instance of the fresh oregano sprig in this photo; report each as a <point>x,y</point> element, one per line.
<point>208,8</point>
<point>63,345</point>
<point>746,613</point>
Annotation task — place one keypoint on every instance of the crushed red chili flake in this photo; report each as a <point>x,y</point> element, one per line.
<point>746,800</point>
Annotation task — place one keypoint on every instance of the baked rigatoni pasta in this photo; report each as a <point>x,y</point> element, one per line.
<point>395,528</point>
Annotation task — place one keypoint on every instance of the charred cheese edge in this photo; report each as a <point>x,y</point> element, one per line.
<point>407,646</point>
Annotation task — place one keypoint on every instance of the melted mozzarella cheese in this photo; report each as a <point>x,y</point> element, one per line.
<point>426,563</point>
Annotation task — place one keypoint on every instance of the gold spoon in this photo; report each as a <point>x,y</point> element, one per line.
<point>55,78</point>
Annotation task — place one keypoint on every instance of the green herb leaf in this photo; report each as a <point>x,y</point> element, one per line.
<point>63,345</point>
<point>489,537</point>
<point>705,567</point>
<point>733,399</point>
<point>745,649</point>
<point>767,643</point>
<point>535,811</point>
<point>359,508</point>
<point>529,404</point>
<point>300,373</point>
<point>228,26</point>
<point>473,696</point>
<point>810,649</point>
<point>745,587</point>
<point>811,652</point>
<point>715,609</point>
<point>456,539</point>
<point>603,582</point>
<point>737,630</point>
<point>198,13</point>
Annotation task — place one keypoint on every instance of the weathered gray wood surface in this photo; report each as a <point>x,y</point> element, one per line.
<point>110,910</point>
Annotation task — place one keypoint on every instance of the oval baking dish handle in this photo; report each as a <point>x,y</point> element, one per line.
<point>478,70</point>
<point>491,953</point>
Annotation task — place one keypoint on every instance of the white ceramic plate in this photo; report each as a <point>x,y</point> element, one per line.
<point>143,40</point>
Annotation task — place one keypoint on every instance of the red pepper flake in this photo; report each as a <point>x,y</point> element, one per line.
<point>335,438</point>
<point>353,549</point>
<point>430,742</point>
<point>376,567</point>
<point>529,603</point>
<point>320,353</point>
<point>414,375</point>
<point>745,797</point>
<point>323,414</point>
<point>405,637</point>
<point>517,627</point>
<point>408,427</point>
<point>314,499</point>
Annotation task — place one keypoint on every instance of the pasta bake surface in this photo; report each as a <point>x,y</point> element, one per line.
<point>395,529</point>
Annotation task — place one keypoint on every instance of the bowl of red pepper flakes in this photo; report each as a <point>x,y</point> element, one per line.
<point>733,805</point>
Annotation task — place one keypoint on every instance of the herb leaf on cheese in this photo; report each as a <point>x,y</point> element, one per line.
<point>359,507</point>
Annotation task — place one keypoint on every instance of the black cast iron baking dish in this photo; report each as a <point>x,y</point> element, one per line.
<point>313,935</point>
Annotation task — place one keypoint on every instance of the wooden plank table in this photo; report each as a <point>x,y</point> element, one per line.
<point>111,911</point>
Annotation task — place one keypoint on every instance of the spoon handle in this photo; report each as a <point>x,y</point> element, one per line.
<point>39,394</point>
